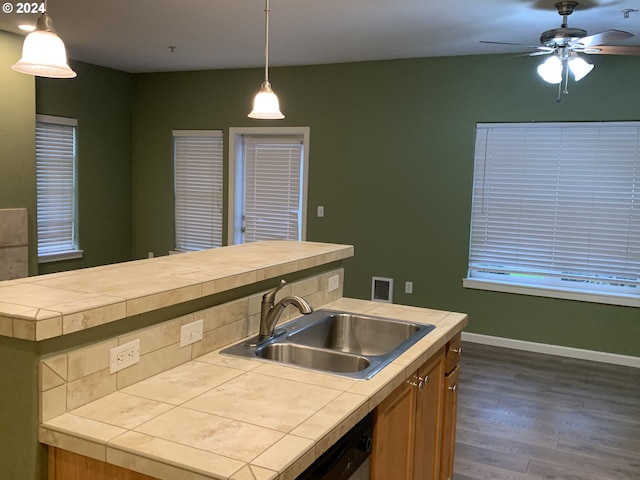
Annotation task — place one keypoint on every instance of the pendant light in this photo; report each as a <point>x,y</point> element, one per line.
<point>266,105</point>
<point>43,53</point>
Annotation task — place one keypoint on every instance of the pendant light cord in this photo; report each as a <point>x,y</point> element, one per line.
<point>266,42</point>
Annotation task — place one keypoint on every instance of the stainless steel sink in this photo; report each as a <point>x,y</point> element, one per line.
<point>314,358</point>
<point>352,345</point>
<point>357,334</point>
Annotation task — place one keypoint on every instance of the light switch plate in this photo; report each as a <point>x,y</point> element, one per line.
<point>191,332</point>
<point>334,283</point>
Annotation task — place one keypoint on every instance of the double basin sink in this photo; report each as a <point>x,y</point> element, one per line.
<point>352,345</point>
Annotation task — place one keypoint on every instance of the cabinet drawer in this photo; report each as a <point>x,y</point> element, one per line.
<point>452,356</point>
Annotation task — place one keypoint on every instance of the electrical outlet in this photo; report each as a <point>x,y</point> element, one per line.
<point>191,332</point>
<point>124,356</point>
<point>408,287</point>
<point>334,283</point>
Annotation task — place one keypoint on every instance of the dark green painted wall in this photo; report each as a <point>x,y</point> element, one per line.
<point>391,159</point>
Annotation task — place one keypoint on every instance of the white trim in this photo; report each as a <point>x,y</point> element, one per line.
<point>57,257</point>
<point>593,355</point>
<point>235,144</point>
<point>540,291</point>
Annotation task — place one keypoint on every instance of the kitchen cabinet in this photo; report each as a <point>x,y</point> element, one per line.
<point>65,465</point>
<point>450,404</point>
<point>408,428</point>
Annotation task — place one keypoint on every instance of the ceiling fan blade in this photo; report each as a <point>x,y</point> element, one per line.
<point>516,44</point>
<point>613,50</point>
<point>602,38</point>
<point>547,51</point>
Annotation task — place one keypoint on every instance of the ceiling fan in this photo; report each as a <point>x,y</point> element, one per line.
<point>565,43</point>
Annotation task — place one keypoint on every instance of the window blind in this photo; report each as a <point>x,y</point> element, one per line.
<point>557,205</point>
<point>55,183</point>
<point>273,187</point>
<point>198,189</point>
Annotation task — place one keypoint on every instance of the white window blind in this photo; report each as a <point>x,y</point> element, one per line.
<point>56,192</point>
<point>273,187</point>
<point>198,189</point>
<point>558,206</point>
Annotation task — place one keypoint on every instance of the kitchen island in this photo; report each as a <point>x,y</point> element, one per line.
<point>189,412</point>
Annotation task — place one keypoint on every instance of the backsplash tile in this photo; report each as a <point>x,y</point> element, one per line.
<point>14,250</point>
<point>89,388</point>
<point>81,376</point>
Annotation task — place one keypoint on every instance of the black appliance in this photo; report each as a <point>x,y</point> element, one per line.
<point>345,456</point>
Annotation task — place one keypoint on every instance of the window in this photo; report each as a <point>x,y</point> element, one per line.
<point>556,211</point>
<point>269,177</point>
<point>198,189</point>
<point>56,188</point>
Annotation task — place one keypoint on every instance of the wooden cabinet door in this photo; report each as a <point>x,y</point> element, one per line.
<point>449,424</point>
<point>428,434</point>
<point>393,433</point>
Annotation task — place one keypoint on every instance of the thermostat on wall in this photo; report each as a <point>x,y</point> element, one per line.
<point>382,289</point>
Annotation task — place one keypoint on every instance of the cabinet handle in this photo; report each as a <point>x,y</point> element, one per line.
<point>420,383</point>
<point>457,350</point>
<point>454,388</point>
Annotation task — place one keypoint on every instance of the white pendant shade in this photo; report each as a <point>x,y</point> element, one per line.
<point>551,70</point>
<point>579,67</point>
<point>43,53</point>
<point>266,105</point>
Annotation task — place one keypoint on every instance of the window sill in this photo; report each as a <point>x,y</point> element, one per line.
<point>58,257</point>
<point>537,291</point>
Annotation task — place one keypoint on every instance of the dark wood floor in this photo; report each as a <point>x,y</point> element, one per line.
<point>526,416</point>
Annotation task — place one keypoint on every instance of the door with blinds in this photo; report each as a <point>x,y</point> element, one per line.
<point>270,183</point>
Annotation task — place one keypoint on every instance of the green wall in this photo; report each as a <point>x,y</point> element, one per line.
<point>391,159</point>
<point>100,99</point>
<point>17,138</point>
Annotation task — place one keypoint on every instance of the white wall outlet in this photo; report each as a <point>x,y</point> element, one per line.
<point>124,356</point>
<point>191,332</point>
<point>334,283</point>
<point>320,210</point>
<point>408,287</point>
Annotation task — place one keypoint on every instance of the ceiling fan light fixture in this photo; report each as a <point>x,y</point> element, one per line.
<point>551,70</point>
<point>579,67</point>
<point>43,52</point>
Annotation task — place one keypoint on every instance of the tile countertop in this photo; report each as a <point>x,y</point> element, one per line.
<point>46,306</point>
<point>220,417</point>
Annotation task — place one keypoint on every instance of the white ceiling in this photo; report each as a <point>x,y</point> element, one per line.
<point>135,35</point>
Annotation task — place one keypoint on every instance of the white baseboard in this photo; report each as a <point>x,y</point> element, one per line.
<point>593,355</point>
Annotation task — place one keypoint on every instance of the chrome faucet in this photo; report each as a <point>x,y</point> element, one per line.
<point>270,311</point>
